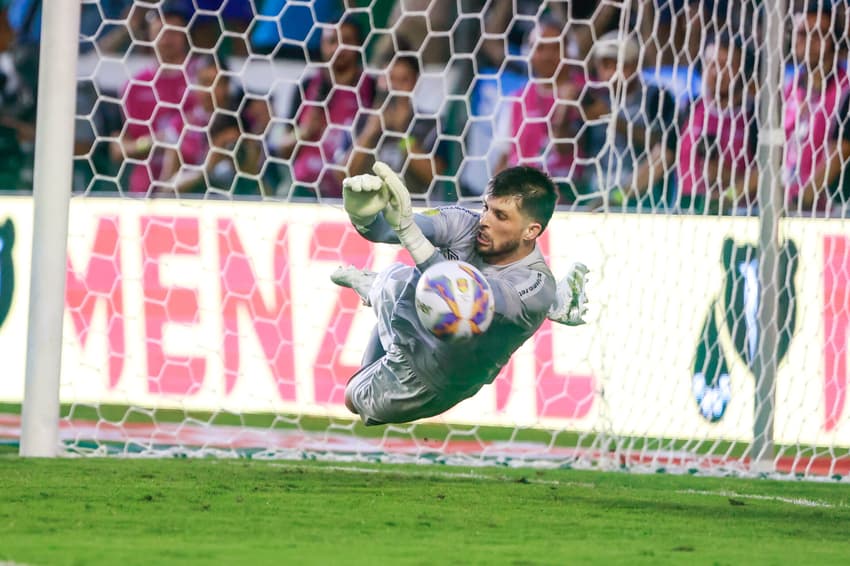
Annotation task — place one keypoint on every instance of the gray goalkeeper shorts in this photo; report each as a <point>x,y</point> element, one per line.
<point>387,391</point>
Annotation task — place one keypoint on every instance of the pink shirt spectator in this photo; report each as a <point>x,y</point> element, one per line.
<point>811,119</point>
<point>195,143</point>
<point>341,106</point>
<point>711,133</point>
<point>530,132</point>
<point>153,105</point>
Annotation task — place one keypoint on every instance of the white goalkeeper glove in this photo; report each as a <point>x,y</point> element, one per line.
<point>363,197</point>
<point>571,301</point>
<point>399,215</point>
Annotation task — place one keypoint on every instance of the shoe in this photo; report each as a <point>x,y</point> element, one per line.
<point>358,279</point>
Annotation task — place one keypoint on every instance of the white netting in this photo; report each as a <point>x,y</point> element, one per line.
<point>207,323</point>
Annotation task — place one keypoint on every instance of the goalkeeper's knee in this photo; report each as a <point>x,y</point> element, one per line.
<point>349,404</point>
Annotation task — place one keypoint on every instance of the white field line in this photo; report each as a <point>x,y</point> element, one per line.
<point>585,485</point>
<point>790,500</point>
<point>445,475</point>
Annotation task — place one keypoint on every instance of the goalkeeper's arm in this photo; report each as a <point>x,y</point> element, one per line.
<point>367,200</point>
<point>398,214</point>
<point>380,231</point>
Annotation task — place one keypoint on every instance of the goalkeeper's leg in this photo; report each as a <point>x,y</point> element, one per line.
<point>360,280</point>
<point>388,391</point>
<point>392,295</point>
<point>374,350</point>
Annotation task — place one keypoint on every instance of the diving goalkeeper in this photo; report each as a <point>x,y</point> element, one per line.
<point>408,373</point>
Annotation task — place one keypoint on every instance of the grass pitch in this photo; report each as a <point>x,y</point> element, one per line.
<point>202,511</point>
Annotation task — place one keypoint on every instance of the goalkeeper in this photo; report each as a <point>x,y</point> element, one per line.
<point>408,373</point>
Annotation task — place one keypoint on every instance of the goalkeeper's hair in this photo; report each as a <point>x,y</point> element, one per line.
<point>533,188</point>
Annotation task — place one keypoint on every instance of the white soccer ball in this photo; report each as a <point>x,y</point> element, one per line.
<point>454,301</point>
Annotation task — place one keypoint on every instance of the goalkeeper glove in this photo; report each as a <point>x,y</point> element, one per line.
<point>399,215</point>
<point>571,301</point>
<point>363,197</point>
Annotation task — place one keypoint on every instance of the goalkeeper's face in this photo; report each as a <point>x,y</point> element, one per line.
<point>505,233</point>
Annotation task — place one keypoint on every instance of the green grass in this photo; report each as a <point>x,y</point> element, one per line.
<point>186,511</point>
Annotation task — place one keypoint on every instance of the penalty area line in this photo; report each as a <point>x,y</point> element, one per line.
<point>800,501</point>
<point>443,475</point>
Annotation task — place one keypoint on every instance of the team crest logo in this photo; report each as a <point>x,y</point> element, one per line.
<point>7,268</point>
<point>732,323</point>
<point>462,284</point>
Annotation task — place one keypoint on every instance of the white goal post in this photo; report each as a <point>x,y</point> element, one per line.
<point>51,196</point>
<point>770,194</point>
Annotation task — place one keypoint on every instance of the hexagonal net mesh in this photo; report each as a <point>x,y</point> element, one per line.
<point>200,314</point>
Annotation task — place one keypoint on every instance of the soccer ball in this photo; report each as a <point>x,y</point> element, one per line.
<point>454,301</point>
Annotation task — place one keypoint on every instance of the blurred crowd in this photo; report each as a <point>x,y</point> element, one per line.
<point>631,105</point>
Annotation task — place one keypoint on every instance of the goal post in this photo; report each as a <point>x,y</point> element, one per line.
<point>57,88</point>
<point>770,195</point>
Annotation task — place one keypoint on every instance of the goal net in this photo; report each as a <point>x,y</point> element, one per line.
<point>699,149</point>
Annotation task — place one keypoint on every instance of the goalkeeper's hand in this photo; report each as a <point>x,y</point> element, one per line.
<point>571,301</point>
<point>399,215</point>
<point>364,196</point>
<point>399,211</point>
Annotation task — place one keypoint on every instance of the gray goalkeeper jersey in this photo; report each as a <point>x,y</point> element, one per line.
<point>524,292</point>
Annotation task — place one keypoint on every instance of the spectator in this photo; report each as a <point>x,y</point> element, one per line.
<point>231,166</point>
<point>213,88</point>
<point>399,135</point>
<point>209,19</point>
<point>284,27</point>
<point>715,150</point>
<point>509,25</point>
<point>323,118</point>
<point>97,27</point>
<point>208,30</point>
<point>266,135</point>
<point>546,109</point>
<point>644,113</point>
<point>816,114</point>
<point>10,122</point>
<point>155,103</point>
<point>673,32</point>
<point>210,93</point>
<point>20,69</point>
<point>501,68</point>
<point>420,26</point>
<point>25,18</point>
